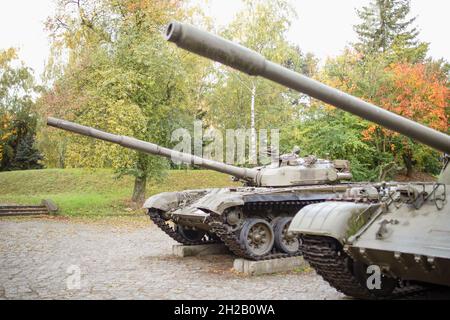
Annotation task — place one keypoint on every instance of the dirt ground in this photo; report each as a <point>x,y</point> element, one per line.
<point>127,258</point>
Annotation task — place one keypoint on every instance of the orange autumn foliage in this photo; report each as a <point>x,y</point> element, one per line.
<point>416,93</point>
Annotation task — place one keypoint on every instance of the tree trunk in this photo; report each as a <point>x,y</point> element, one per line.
<point>253,159</point>
<point>385,170</point>
<point>139,190</point>
<point>407,159</point>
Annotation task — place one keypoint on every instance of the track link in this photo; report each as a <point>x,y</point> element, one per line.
<point>157,219</point>
<point>330,262</point>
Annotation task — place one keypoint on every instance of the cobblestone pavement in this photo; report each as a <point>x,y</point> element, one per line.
<point>41,258</point>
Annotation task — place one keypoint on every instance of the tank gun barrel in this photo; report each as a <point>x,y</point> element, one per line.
<point>151,148</point>
<point>238,57</point>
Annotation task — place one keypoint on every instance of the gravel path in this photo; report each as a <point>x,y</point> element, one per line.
<point>44,258</point>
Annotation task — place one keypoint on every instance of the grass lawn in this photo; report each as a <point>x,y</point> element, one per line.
<point>84,192</point>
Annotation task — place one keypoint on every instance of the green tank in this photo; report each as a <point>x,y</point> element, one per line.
<point>399,231</point>
<point>251,220</point>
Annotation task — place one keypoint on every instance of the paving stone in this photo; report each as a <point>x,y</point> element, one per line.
<point>38,258</point>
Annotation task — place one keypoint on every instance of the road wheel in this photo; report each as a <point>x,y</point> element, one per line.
<point>257,237</point>
<point>285,241</point>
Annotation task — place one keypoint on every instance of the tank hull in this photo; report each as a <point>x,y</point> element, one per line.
<point>408,242</point>
<point>223,212</point>
<point>405,234</point>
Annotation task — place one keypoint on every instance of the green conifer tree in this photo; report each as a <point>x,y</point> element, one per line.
<point>386,27</point>
<point>27,156</point>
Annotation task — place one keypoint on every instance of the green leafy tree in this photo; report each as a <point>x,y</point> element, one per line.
<point>335,134</point>
<point>121,76</point>
<point>17,115</point>
<point>238,101</point>
<point>331,133</point>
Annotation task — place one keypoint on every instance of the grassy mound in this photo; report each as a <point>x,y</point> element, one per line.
<point>94,192</point>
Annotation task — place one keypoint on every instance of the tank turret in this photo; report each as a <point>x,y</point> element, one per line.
<point>288,170</point>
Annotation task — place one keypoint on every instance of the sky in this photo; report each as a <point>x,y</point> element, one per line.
<point>324,27</point>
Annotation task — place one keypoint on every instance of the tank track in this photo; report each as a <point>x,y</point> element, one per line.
<point>155,216</point>
<point>333,267</point>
